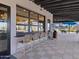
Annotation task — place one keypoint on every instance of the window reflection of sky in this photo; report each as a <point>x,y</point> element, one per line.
<point>68,27</point>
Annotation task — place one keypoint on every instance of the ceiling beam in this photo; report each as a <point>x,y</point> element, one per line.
<point>67,13</point>
<point>69,10</point>
<point>66,19</point>
<point>72,8</point>
<point>44,2</point>
<point>61,3</point>
<point>66,6</point>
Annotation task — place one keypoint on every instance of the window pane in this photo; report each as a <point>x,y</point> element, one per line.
<point>26,28</point>
<point>33,28</point>
<point>22,12</point>
<point>41,28</point>
<point>33,22</point>
<point>21,28</point>
<point>21,20</point>
<point>3,27</point>
<point>41,18</point>
<point>33,15</point>
<point>40,24</point>
<point>3,15</point>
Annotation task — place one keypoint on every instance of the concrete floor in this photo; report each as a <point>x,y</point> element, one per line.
<point>55,49</point>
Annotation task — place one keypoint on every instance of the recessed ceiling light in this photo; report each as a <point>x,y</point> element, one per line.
<point>24,10</point>
<point>1,15</point>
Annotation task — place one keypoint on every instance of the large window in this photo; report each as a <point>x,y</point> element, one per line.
<point>28,21</point>
<point>22,20</point>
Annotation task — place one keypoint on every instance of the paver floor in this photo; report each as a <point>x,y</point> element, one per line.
<point>54,49</point>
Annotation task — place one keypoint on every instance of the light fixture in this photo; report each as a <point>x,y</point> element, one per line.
<point>1,15</point>
<point>24,10</point>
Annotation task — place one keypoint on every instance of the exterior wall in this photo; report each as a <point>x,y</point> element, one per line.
<point>27,4</point>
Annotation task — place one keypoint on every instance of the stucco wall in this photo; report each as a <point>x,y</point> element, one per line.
<point>27,4</point>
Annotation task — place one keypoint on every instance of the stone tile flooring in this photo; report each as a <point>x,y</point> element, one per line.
<point>55,49</point>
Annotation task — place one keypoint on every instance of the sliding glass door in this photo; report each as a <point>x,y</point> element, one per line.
<point>4,30</point>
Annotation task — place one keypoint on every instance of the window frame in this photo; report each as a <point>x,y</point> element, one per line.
<point>8,30</point>
<point>29,25</point>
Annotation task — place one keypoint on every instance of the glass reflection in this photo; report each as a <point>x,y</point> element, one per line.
<point>41,28</point>
<point>21,20</point>
<point>3,27</point>
<point>21,28</point>
<point>22,12</point>
<point>33,22</point>
<point>3,15</point>
<point>33,28</point>
<point>41,18</point>
<point>3,30</point>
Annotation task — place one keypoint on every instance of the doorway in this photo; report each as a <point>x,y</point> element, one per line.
<point>4,30</point>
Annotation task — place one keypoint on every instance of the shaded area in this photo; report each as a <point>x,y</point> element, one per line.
<point>54,49</point>
<point>64,8</point>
